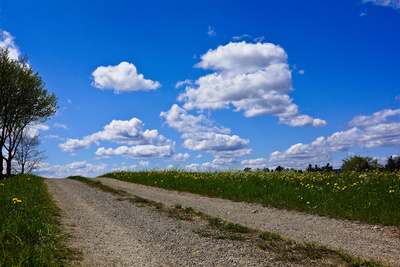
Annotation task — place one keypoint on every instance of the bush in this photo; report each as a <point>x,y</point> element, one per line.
<point>360,164</point>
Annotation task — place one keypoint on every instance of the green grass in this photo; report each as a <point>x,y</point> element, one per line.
<point>372,197</point>
<point>29,226</point>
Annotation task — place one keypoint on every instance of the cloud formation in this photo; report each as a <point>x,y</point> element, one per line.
<point>179,119</point>
<point>389,3</point>
<point>200,134</point>
<point>376,118</point>
<point>137,152</point>
<point>122,78</point>
<point>253,78</point>
<point>255,163</point>
<point>146,144</point>
<point>7,41</point>
<point>75,168</point>
<point>368,132</point>
<point>121,132</point>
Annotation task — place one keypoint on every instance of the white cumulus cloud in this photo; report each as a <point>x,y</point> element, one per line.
<point>75,168</point>
<point>118,131</point>
<point>255,163</point>
<point>180,157</point>
<point>302,121</point>
<point>122,78</point>
<point>213,142</point>
<point>200,134</point>
<point>372,131</point>
<point>377,117</point>
<point>7,42</point>
<point>137,152</point>
<point>179,119</point>
<point>253,78</point>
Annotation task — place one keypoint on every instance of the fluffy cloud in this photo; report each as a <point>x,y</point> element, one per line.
<point>302,154</point>
<point>213,142</point>
<point>373,131</point>
<point>181,83</point>
<point>302,121</point>
<point>192,167</point>
<point>377,117</point>
<point>76,168</point>
<point>122,132</point>
<point>137,152</point>
<point>389,3</point>
<point>7,41</point>
<point>254,78</point>
<point>122,78</point>
<point>180,157</point>
<point>200,134</point>
<point>255,163</point>
<point>125,167</point>
<point>179,119</point>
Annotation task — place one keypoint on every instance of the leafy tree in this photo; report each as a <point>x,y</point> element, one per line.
<point>392,164</point>
<point>279,168</point>
<point>359,164</point>
<point>23,102</point>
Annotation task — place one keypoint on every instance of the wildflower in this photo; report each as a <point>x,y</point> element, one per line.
<point>1,184</point>
<point>16,200</point>
<point>391,191</point>
<point>308,202</point>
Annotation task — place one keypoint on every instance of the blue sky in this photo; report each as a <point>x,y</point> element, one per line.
<point>211,84</point>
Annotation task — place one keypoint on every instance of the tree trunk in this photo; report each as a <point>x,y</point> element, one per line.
<point>1,165</point>
<point>8,167</point>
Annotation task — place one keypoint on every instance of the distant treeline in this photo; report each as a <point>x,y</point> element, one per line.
<point>354,163</point>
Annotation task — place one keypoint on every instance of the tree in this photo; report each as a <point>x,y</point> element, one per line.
<point>23,102</point>
<point>359,164</point>
<point>279,168</point>
<point>392,164</point>
<point>28,157</point>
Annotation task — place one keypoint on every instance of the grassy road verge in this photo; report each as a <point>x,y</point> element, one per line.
<point>29,228</point>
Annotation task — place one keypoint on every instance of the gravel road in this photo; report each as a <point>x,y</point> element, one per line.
<point>117,233</point>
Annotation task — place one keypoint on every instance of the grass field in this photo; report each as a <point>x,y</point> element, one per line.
<point>29,232</point>
<point>372,197</point>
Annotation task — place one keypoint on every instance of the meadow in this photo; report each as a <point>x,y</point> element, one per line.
<point>29,227</point>
<point>372,197</point>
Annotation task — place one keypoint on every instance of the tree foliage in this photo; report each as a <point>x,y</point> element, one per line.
<point>393,164</point>
<point>23,101</point>
<point>359,164</point>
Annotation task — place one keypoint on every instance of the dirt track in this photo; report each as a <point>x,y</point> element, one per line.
<point>117,234</point>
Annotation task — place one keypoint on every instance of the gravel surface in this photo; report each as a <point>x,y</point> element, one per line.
<point>118,233</point>
<point>358,239</point>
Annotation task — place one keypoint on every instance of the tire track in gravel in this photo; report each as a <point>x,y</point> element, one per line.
<point>367,241</point>
<point>119,233</point>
